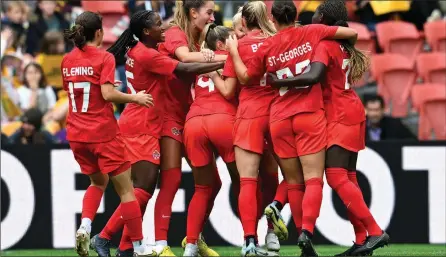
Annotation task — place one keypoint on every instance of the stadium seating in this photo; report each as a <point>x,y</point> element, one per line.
<point>435,33</point>
<point>365,41</point>
<point>104,7</point>
<point>430,101</point>
<point>399,37</point>
<point>395,76</point>
<point>432,67</point>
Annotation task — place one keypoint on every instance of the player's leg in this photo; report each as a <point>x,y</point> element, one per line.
<point>92,198</point>
<point>201,159</point>
<point>311,140</point>
<point>285,147</point>
<point>170,178</point>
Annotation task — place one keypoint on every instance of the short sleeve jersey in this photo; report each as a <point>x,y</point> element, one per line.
<point>340,101</point>
<point>288,54</point>
<point>146,69</point>
<point>254,98</point>
<point>90,118</point>
<point>207,98</point>
<point>178,96</point>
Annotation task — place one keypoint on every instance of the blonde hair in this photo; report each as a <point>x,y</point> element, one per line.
<point>256,15</point>
<point>181,19</point>
<point>211,34</point>
<point>237,17</point>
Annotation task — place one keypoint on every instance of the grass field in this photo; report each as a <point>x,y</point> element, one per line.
<point>392,250</point>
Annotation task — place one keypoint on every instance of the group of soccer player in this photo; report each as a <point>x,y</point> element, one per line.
<point>271,93</point>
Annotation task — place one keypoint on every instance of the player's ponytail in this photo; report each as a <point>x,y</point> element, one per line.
<point>256,16</point>
<point>211,34</point>
<point>84,30</point>
<point>335,14</point>
<point>129,38</point>
<point>285,12</point>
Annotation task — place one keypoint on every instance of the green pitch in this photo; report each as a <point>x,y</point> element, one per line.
<point>392,250</point>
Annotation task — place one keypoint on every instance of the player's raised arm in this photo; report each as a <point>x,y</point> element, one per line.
<point>185,55</point>
<point>346,33</point>
<point>315,75</point>
<point>240,67</point>
<point>197,68</point>
<point>226,87</point>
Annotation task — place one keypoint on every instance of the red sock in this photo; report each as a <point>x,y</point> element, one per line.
<point>296,194</point>
<point>170,182</point>
<point>352,198</point>
<point>131,214</point>
<point>143,198</point>
<point>311,203</point>
<point>215,189</point>
<point>247,204</point>
<point>197,212</point>
<point>360,231</point>
<point>282,193</point>
<point>91,202</point>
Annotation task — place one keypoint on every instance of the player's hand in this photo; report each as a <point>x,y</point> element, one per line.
<point>271,79</point>
<point>232,43</point>
<point>144,99</point>
<point>208,54</point>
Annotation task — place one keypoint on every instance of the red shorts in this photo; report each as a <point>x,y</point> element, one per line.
<point>107,157</point>
<point>173,129</point>
<point>299,135</point>
<point>350,137</point>
<point>202,133</point>
<point>250,134</point>
<point>143,148</point>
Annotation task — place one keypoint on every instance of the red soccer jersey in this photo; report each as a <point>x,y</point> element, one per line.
<point>178,97</point>
<point>254,98</point>
<point>146,69</point>
<point>287,54</point>
<point>207,99</point>
<point>340,101</point>
<point>90,118</point>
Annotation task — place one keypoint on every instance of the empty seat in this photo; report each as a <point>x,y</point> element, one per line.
<point>430,100</point>
<point>365,41</point>
<point>435,33</point>
<point>399,37</point>
<point>104,7</point>
<point>432,67</point>
<point>395,76</point>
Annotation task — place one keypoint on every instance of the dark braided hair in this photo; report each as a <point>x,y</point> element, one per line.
<point>84,29</point>
<point>140,20</point>
<point>335,14</point>
<point>284,11</point>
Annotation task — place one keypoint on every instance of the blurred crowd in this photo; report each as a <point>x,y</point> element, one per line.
<point>34,105</point>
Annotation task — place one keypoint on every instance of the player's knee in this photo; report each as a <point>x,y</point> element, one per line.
<point>99,180</point>
<point>336,180</point>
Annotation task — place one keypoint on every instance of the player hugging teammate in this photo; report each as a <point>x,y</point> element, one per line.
<point>306,123</point>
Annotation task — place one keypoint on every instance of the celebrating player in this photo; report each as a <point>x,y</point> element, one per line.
<point>209,125</point>
<point>251,125</point>
<point>268,172</point>
<point>340,63</point>
<point>92,130</point>
<point>297,120</point>
<point>147,70</point>
<point>182,38</point>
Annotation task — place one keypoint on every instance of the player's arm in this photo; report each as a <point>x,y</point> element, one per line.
<point>346,33</point>
<point>110,94</point>
<point>183,54</point>
<point>315,75</point>
<point>226,86</point>
<point>240,68</point>
<point>197,68</point>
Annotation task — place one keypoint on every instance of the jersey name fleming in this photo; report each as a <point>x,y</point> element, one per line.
<point>291,54</point>
<point>77,71</point>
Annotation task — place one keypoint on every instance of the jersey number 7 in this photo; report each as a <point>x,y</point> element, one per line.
<point>86,94</point>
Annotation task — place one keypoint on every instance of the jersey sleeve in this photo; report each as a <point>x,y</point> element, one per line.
<point>158,63</point>
<point>228,70</point>
<point>323,31</point>
<point>321,54</point>
<point>108,70</point>
<point>175,38</point>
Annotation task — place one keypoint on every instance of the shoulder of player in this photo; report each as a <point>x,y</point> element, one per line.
<point>174,29</point>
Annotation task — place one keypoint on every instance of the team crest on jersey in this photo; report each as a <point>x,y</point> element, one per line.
<point>156,155</point>
<point>176,131</point>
